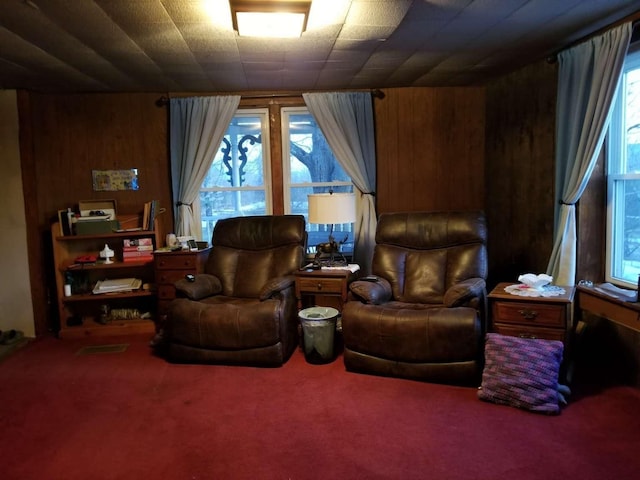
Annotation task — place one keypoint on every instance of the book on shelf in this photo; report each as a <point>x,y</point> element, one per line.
<point>137,242</point>
<point>117,285</point>
<point>141,259</point>
<point>137,253</point>
<point>139,248</point>
<point>149,213</point>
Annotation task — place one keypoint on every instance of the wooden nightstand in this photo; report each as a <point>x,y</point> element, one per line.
<point>326,288</point>
<point>171,267</point>
<point>531,317</point>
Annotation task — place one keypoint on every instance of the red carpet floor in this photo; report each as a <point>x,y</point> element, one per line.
<point>132,415</point>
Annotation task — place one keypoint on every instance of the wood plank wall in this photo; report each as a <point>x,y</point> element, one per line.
<point>64,138</point>
<point>520,150</point>
<point>430,149</point>
<point>431,152</point>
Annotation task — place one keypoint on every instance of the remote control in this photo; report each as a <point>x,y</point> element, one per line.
<point>369,278</point>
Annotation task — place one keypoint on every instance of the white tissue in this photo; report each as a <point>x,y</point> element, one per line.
<point>532,280</point>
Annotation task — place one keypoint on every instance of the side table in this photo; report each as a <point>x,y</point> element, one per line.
<point>532,317</point>
<point>326,288</point>
<point>171,267</point>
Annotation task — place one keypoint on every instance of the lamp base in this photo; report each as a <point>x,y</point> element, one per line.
<point>334,259</point>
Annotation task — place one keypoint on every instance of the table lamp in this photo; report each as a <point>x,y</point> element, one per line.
<point>331,208</point>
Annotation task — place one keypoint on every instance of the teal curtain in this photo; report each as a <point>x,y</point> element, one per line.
<point>588,77</point>
<point>196,128</point>
<point>346,120</point>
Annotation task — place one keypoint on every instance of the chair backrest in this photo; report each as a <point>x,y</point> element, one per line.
<point>422,254</point>
<point>247,252</point>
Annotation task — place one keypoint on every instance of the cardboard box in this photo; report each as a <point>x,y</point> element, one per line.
<point>96,227</point>
<point>108,207</point>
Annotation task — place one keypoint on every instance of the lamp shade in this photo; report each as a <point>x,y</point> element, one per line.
<point>332,208</point>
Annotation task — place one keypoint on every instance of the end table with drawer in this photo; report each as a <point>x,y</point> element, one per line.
<point>531,317</point>
<point>323,287</point>
<point>171,267</point>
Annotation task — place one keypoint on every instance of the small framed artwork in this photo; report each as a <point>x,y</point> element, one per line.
<point>113,180</point>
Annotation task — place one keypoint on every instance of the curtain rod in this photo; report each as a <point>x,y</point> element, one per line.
<point>635,33</point>
<point>164,100</point>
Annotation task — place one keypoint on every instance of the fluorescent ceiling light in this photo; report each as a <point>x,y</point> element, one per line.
<point>279,19</point>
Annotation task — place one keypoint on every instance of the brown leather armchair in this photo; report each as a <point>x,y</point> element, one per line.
<point>424,317</point>
<point>242,309</point>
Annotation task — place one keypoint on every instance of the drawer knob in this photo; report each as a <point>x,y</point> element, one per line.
<point>528,314</point>
<point>319,286</point>
<point>527,335</point>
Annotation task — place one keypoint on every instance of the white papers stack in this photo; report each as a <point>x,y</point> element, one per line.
<point>117,285</point>
<point>617,292</point>
<point>352,267</point>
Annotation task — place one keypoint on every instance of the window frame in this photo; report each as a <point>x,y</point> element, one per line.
<point>616,161</point>
<point>287,185</point>
<point>267,187</point>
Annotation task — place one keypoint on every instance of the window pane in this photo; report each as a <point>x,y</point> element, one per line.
<point>217,205</point>
<point>311,158</point>
<point>626,234</point>
<point>312,168</point>
<point>623,167</point>
<point>239,160</point>
<point>235,182</point>
<point>632,121</point>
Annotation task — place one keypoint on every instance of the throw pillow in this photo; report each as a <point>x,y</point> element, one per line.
<point>522,372</point>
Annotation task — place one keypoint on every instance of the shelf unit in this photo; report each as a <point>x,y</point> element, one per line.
<point>80,313</point>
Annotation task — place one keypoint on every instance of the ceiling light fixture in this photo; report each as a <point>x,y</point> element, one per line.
<point>276,19</point>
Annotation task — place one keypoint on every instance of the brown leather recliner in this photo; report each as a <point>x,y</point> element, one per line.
<point>424,318</point>
<point>242,309</point>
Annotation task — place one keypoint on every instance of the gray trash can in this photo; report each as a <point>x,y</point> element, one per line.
<point>318,332</point>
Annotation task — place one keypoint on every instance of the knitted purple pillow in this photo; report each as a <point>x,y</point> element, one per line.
<point>521,372</point>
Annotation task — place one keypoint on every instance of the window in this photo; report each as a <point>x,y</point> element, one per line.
<point>623,179</point>
<point>310,167</point>
<point>239,181</point>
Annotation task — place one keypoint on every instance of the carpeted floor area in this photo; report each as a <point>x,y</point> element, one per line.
<point>132,415</point>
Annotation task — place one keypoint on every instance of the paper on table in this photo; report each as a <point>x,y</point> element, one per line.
<point>352,267</point>
<point>617,292</point>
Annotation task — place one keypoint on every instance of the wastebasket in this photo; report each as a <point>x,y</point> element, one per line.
<point>318,331</point>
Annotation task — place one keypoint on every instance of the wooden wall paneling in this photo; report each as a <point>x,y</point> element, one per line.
<point>430,149</point>
<point>592,221</point>
<point>520,153</point>
<point>277,175</point>
<point>39,251</point>
<point>71,135</point>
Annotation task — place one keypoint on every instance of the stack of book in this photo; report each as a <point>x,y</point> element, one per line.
<point>137,250</point>
<point>117,285</point>
<point>149,214</point>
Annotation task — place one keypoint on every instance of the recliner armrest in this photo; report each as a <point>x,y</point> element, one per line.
<point>276,285</point>
<point>205,285</point>
<point>461,293</point>
<point>374,293</point>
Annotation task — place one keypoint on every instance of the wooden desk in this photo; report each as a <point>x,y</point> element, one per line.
<point>590,300</point>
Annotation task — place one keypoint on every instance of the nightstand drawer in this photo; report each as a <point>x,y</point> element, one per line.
<point>530,313</point>
<point>324,285</point>
<point>176,262</point>
<point>529,332</point>
<point>169,277</point>
<point>166,292</point>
